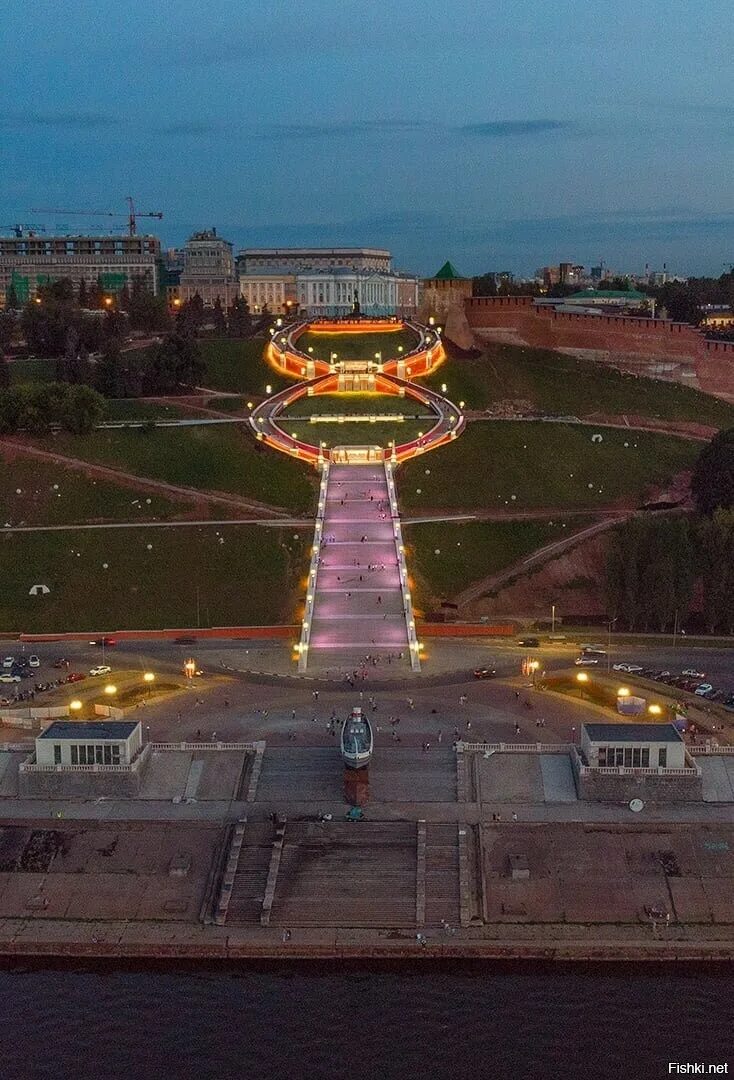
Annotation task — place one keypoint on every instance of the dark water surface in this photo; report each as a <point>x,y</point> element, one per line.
<point>529,1023</point>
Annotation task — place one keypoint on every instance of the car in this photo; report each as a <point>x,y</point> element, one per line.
<point>185,641</point>
<point>8,661</point>
<point>485,673</point>
<point>585,661</point>
<point>75,676</point>
<point>34,661</point>
<point>5,678</point>
<point>104,642</point>
<point>101,669</point>
<point>693,674</point>
<point>529,642</point>
<point>21,671</point>
<point>61,662</point>
<point>634,669</point>
<point>704,689</point>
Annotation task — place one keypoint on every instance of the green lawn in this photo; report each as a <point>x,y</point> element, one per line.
<point>356,404</point>
<point>228,404</point>
<point>239,366</point>
<point>564,386</point>
<point>357,346</point>
<point>52,495</point>
<point>216,458</point>
<point>245,575</point>
<point>22,371</point>
<point>517,464</point>
<point>446,558</point>
<point>134,409</point>
<point>377,434</point>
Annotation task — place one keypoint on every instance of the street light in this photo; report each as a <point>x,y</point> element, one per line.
<point>623,692</point>
<point>75,705</point>
<point>655,710</point>
<point>582,677</point>
<point>110,689</point>
<point>149,678</point>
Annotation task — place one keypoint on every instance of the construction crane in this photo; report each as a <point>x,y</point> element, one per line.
<point>132,214</point>
<point>18,230</point>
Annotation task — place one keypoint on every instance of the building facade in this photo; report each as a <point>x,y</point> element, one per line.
<point>28,262</point>
<point>334,293</point>
<point>256,260</point>
<point>208,269</point>
<point>277,291</point>
<point>106,742</point>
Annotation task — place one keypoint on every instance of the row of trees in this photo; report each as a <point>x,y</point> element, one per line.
<point>39,407</point>
<point>657,566</point>
<point>173,365</point>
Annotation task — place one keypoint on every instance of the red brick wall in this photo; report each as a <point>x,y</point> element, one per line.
<point>625,342</point>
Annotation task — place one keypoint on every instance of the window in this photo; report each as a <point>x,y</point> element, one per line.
<point>663,757</point>
<point>75,755</point>
<point>57,753</point>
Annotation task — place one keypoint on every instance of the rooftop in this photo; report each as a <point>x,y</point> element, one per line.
<point>637,733</point>
<point>608,294</point>
<point>448,272</point>
<point>96,729</point>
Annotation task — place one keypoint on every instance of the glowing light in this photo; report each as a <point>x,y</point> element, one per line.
<point>149,677</point>
<point>623,692</point>
<point>110,689</point>
<point>75,705</point>
<point>654,709</point>
<point>582,677</point>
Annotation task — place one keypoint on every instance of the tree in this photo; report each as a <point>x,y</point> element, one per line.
<point>114,377</point>
<point>82,294</point>
<point>218,317</point>
<point>239,322</point>
<point>190,316</point>
<point>712,483</point>
<point>4,372</point>
<point>174,364</point>
<point>81,410</point>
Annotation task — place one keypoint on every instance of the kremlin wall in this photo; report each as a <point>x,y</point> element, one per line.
<point>654,347</point>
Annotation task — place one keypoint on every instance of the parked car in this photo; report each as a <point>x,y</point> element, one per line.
<point>34,661</point>
<point>75,676</point>
<point>703,689</point>
<point>693,674</point>
<point>8,662</point>
<point>61,662</point>
<point>5,678</point>
<point>107,642</point>
<point>620,667</point>
<point>632,669</point>
<point>185,641</point>
<point>101,669</point>
<point>585,661</point>
<point>21,671</point>
<point>485,673</point>
<point>529,642</point>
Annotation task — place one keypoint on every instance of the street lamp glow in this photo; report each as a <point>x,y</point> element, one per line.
<point>582,677</point>
<point>75,705</point>
<point>149,677</point>
<point>623,692</point>
<point>268,389</point>
<point>655,710</point>
<point>443,388</point>
<point>110,689</point>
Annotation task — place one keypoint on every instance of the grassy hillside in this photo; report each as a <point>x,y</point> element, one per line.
<point>357,346</point>
<point>217,458</point>
<point>243,575</point>
<point>518,464</point>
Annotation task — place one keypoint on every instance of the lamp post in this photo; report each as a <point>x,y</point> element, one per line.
<point>553,618</point>
<point>149,678</point>
<point>75,706</point>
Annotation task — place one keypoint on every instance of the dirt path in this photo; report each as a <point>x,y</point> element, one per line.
<point>142,483</point>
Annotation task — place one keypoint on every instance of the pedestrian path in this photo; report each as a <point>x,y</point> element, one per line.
<point>361,601</point>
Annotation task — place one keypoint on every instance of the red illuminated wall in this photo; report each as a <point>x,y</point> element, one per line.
<point>673,351</point>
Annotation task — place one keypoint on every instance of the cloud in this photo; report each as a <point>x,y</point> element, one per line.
<point>501,129</point>
<point>189,127</point>
<point>60,120</point>
<point>320,131</point>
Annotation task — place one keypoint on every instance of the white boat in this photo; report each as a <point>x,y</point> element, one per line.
<point>356,740</point>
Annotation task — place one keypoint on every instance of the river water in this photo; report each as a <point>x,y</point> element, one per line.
<point>308,1023</point>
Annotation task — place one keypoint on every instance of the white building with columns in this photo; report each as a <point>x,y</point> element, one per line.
<point>332,293</point>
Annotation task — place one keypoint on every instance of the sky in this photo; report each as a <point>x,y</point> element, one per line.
<point>502,135</point>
